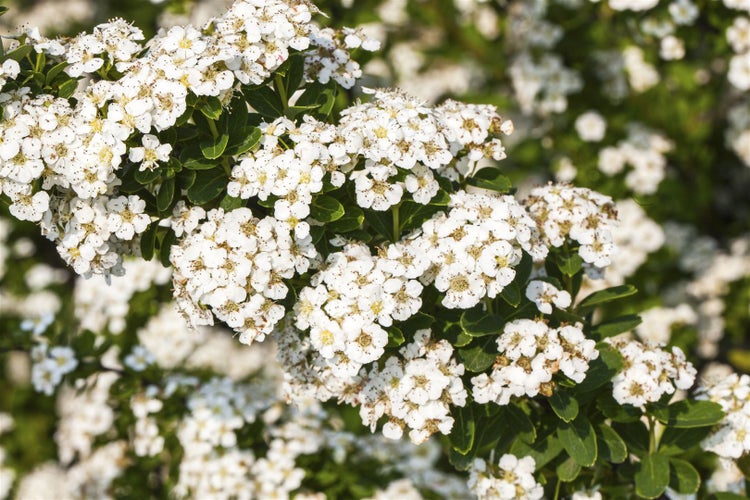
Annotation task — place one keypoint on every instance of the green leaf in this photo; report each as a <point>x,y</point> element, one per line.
<point>83,343</point>
<point>148,241</point>
<point>683,478</point>
<point>381,222</point>
<point>579,440</point>
<point>743,463</point>
<point>464,428</point>
<point>313,95</point>
<point>326,209</point>
<point>724,495</point>
<point>413,214</point>
<point>688,413</point>
<point>185,178</point>
<point>462,340</point>
<point>652,476</point>
<point>292,72</point>
<point>677,440</point>
<point>477,323</point>
<point>19,53</point>
<point>395,336</point>
<point>523,269</point>
<point>568,470</point>
<point>229,203</point>
<point>214,147</point>
<point>67,88</point>
<point>244,141</point>
<point>210,107</point>
<point>564,405</point>
<point>602,369</point>
<point>351,221</point>
<point>54,71</point>
<point>542,450</point>
<point>166,248</point>
<point>515,425</point>
<point>265,101</point>
<point>491,178</point>
<point>207,187</point>
<point>165,195</point>
<point>461,461</point>
<point>479,357</point>
<point>147,176</point>
<point>604,296</point>
<point>327,106</point>
<point>615,326</point>
<point>569,265</point>
<point>612,448</point>
<point>637,436</point>
<point>419,321</point>
<point>511,294</point>
<point>3,10</point>
<point>198,163</point>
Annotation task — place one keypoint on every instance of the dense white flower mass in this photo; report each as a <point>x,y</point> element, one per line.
<point>512,477</point>
<point>414,389</point>
<point>236,264</point>
<point>51,149</point>
<point>398,132</point>
<point>474,248</point>
<point>649,372</point>
<point>530,354</point>
<point>732,437</point>
<point>565,213</point>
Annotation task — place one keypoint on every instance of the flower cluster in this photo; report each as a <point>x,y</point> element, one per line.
<point>657,322</point>
<point>96,309</point>
<point>732,437</point>
<point>512,477</point>
<point>635,238</point>
<point>649,372</point>
<point>291,176</point>
<point>414,390</point>
<point>74,152</point>
<point>543,86</point>
<point>236,264</point>
<point>530,354</point>
<point>396,131</point>
<point>565,213</point>
<point>475,247</point>
<point>50,366</point>
<point>351,300</point>
<point>644,151</point>
<point>85,414</point>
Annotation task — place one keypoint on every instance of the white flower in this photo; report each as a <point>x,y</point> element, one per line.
<point>151,153</point>
<point>64,357</point>
<point>591,126</point>
<point>544,294</point>
<point>139,358</point>
<point>126,217</point>
<point>46,375</point>
<point>671,48</point>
